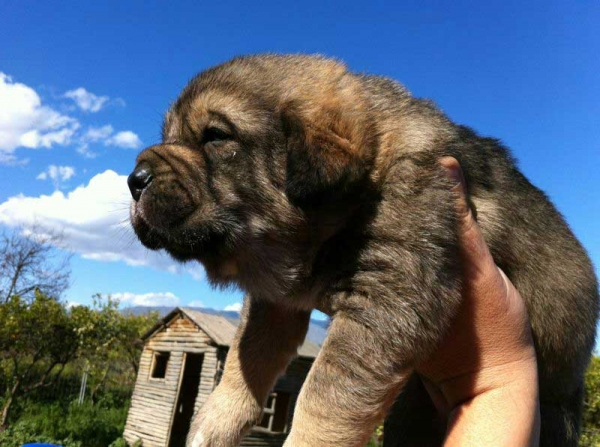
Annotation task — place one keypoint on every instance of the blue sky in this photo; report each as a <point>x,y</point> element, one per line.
<point>87,84</point>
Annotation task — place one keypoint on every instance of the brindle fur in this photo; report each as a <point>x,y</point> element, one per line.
<point>326,193</point>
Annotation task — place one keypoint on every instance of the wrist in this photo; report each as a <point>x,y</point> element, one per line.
<point>498,407</point>
<point>511,375</point>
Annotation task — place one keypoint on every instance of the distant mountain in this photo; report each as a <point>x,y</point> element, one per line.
<point>317,331</point>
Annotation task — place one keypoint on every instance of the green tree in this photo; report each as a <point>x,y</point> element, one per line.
<point>98,327</point>
<point>110,341</point>
<point>591,409</point>
<point>133,327</point>
<point>37,340</point>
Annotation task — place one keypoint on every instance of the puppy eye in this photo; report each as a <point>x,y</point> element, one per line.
<point>214,135</point>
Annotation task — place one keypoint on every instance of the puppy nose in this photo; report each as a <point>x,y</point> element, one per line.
<point>139,179</point>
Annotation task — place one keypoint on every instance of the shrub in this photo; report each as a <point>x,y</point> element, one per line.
<point>73,425</point>
<point>591,409</point>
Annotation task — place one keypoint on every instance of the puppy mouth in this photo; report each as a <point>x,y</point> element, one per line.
<point>149,237</point>
<point>185,239</point>
<point>159,212</point>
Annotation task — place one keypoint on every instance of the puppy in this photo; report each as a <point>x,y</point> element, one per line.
<point>309,186</point>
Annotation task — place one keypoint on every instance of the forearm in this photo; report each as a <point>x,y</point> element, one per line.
<point>349,389</point>
<point>267,339</point>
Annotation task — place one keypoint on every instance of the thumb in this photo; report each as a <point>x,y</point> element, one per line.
<point>461,205</point>
<point>473,247</point>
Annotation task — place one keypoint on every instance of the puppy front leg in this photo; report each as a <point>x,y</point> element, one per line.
<point>350,388</point>
<point>267,339</point>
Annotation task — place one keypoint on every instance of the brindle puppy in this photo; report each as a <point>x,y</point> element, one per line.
<point>309,186</point>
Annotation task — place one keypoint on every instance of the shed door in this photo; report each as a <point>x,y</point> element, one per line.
<point>184,410</point>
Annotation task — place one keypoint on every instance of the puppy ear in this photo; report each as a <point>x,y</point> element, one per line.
<point>329,155</point>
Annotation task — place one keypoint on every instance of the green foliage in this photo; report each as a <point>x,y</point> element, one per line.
<point>35,330</point>
<point>41,339</point>
<point>73,425</point>
<point>376,439</point>
<point>42,333</point>
<point>98,329</point>
<point>131,329</point>
<point>109,339</point>
<point>37,339</point>
<point>110,342</point>
<point>591,410</point>
<point>119,443</point>
<point>122,443</point>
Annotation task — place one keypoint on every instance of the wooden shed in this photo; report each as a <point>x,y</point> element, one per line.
<point>181,364</point>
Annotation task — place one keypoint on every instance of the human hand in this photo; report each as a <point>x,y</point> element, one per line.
<point>484,374</point>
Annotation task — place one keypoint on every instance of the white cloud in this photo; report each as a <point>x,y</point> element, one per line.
<point>125,139</point>
<point>196,303</point>
<point>86,101</point>
<point>57,174</point>
<point>147,299</point>
<point>95,134</point>
<point>236,307</point>
<point>25,122</point>
<point>34,138</point>
<point>94,220</point>
<point>11,160</point>
<point>84,149</point>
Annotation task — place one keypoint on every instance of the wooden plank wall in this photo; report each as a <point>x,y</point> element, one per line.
<point>153,400</point>
<point>256,439</point>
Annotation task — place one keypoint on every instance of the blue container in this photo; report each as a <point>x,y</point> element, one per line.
<point>40,445</point>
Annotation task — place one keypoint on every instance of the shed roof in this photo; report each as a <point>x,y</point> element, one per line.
<point>220,329</point>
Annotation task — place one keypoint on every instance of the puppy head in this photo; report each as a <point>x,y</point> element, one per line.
<point>248,147</point>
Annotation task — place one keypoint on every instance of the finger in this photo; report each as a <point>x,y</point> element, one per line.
<point>473,248</point>
<point>463,210</point>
